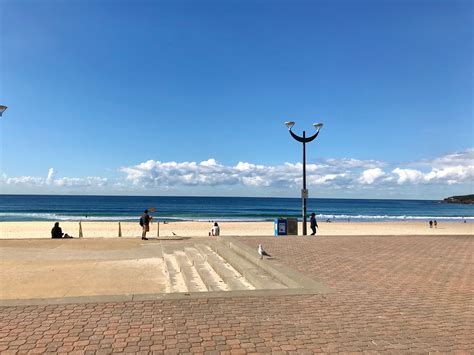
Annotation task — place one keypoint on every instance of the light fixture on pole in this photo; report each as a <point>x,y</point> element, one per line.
<point>289,124</point>
<point>318,126</point>
<point>2,109</point>
<point>304,140</point>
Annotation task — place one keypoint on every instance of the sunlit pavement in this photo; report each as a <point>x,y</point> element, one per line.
<point>393,294</point>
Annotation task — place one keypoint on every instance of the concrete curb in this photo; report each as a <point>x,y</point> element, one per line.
<point>156,297</point>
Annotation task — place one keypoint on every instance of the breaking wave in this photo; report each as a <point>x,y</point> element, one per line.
<point>17,216</point>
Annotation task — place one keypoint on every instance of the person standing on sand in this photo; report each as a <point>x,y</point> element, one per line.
<point>145,223</point>
<point>313,223</point>
<point>431,224</point>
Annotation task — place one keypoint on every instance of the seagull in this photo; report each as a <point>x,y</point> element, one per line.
<point>174,233</point>
<point>262,252</point>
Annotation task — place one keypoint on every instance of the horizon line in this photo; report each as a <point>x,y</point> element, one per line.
<point>193,196</point>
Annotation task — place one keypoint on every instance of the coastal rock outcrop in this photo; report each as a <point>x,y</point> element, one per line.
<point>466,199</point>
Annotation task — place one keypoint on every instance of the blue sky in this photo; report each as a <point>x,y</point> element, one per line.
<point>189,97</point>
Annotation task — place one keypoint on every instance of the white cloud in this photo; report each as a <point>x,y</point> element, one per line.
<point>450,175</point>
<point>326,179</point>
<point>333,174</point>
<point>23,180</point>
<point>408,175</point>
<point>209,162</point>
<point>212,173</point>
<point>81,182</point>
<point>254,181</point>
<point>450,169</point>
<point>337,173</point>
<point>50,180</point>
<point>370,175</point>
<point>464,158</point>
<point>50,177</point>
<point>350,163</point>
<point>156,173</point>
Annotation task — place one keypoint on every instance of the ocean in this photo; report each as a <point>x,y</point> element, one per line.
<point>129,208</point>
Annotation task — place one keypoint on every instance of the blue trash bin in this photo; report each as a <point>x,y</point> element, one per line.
<point>281,226</point>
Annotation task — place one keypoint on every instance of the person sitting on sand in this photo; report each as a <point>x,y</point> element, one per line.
<point>57,232</point>
<point>215,230</point>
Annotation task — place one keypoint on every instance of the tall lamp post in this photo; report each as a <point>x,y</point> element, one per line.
<point>304,140</point>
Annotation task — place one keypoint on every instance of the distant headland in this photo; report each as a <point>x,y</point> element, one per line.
<point>466,199</point>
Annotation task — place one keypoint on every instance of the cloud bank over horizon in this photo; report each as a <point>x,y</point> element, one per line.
<point>51,181</point>
<point>210,175</point>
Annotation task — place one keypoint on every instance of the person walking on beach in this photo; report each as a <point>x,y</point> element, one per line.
<point>313,223</point>
<point>435,223</point>
<point>431,224</point>
<point>145,223</point>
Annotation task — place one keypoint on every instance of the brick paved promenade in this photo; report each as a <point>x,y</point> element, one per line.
<point>394,294</point>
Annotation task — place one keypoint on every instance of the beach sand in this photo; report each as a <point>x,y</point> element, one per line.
<point>23,230</point>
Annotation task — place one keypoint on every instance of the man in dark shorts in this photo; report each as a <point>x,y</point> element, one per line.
<point>145,223</point>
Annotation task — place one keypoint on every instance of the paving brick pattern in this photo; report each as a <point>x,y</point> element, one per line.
<point>390,294</point>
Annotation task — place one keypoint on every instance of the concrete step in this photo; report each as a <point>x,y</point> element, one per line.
<point>255,275</point>
<point>227,273</point>
<point>191,277</point>
<point>265,264</point>
<point>210,278</point>
<point>176,280</point>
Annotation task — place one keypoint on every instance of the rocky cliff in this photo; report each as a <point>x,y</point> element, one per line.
<point>460,199</point>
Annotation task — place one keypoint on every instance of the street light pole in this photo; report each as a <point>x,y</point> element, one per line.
<point>304,140</point>
<point>303,193</point>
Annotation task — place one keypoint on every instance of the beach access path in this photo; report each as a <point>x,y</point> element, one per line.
<point>389,294</point>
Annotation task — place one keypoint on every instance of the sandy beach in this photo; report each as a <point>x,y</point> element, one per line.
<point>23,230</point>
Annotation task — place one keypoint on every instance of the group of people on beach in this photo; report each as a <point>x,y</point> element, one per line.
<point>146,219</point>
<point>433,223</point>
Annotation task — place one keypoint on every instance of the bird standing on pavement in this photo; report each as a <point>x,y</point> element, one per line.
<point>262,252</point>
